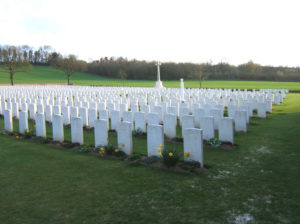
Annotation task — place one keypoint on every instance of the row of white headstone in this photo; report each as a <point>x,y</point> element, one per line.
<point>193,140</point>
<point>82,106</point>
<point>208,117</point>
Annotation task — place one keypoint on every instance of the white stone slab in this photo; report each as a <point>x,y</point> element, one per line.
<point>40,125</point>
<point>187,121</point>
<point>226,131</point>
<point>77,130</point>
<point>92,112</point>
<point>170,123</point>
<point>101,133</point>
<point>152,119</point>
<point>240,120</point>
<point>49,113</point>
<point>83,113</point>
<point>199,112</point>
<point>115,119</point>
<point>140,121</point>
<point>125,137</point>
<point>65,110</point>
<point>218,115</point>
<point>8,121</point>
<point>155,138</point>
<point>23,122</point>
<point>15,110</point>
<point>207,125</point>
<point>193,145</point>
<point>58,128</point>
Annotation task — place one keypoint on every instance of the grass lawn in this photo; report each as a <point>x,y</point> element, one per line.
<point>44,74</point>
<point>258,181</point>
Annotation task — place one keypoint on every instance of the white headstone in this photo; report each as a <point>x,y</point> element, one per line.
<point>8,122</point>
<point>115,119</point>
<point>15,110</point>
<point>170,122</point>
<point>125,137</point>
<point>65,110</point>
<point>199,112</point>
<point>32,111</point>
<point>92,116</point>
<point>49,113</point>
<point>101,133</point>
<point>226,132</point>
<point>240,120</point>
<point>83,113</point>
<point>187,121</point>
<point>140,121</point>
<point>155,139</point>
<point>58,128</point>
<point>152,119</point>
<point>207,125</point>
<point>128,116</point>
<point>218,115</point>
<point>40,125</point>
<point>193,145</point>
<point>77,130</point>
<point>23,122</point>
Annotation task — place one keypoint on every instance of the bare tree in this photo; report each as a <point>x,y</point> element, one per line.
<point>200,76</point>
<point>122,75</point>
<point>69,65</point>
<point>13,61</point>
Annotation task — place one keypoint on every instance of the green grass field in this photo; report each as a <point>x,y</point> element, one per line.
<point>43,74</point>
<point>258,181</point>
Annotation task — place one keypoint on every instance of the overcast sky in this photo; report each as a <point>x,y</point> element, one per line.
<point>233,31</point>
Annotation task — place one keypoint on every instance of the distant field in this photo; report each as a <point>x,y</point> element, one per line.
<point>43,74</point>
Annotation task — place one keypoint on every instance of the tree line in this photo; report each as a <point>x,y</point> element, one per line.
<point>143,70</point>
<point>21,58</point>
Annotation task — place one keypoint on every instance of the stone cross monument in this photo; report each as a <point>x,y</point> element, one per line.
<point>181,90</point>
<point>158,83</point>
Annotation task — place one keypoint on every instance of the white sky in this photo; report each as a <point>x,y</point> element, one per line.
<point>233,31</point>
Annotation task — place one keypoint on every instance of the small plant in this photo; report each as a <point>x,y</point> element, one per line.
<point>134,157</point>
<point>170,157</point>
<point>85,149</point>
<point>137,132</point>
<point>43,140</point>
<point>3,131</point>
<point>215,143</point>
<point>190,166</point>
<point>101,151</point>
<point>151,159</point>
<point>119,153</point>
<point>109,149</point>
<point>70,145</point>
<point>27,134</point>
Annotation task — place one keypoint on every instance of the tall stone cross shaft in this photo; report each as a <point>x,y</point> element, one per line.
<point>158,70</point>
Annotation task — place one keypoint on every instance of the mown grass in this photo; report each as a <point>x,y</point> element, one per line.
<point>45,74</point>
<point>259,180</point>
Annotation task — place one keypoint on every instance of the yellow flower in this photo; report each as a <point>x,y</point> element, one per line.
<point>159,154</point>
<point>122,145</point>
<point>170,153</point>
<point>187,154</point>
<point>116,150</point>
<point>27,131</point>
<point>102,149</point>
<point>158,149</point>
<point>160,146</point>
<point>101,152</point>
<point>17,137</point>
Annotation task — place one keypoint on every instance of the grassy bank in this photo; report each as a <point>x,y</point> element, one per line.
<point>258,181</point>
<point>44,74</point>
